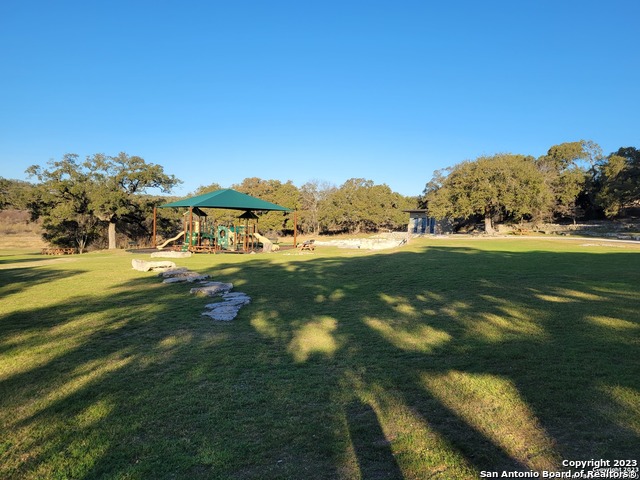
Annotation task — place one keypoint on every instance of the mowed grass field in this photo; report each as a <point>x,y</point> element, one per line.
<point>440,359</point>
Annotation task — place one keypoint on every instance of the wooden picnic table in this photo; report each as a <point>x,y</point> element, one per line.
<point>308,245</point>
<point>58,251</point>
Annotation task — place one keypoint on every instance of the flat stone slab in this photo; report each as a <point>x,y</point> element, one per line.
<point>143,266</point>
<point>231,299</point>
<point>222,315</point>
<point>228,309</point>
<point>229,296</point>
<point>187,276</point>
<point>171,254</point>
<point>212,288</point>
<point>172,272</point>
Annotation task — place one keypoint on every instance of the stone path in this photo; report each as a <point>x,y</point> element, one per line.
<point>225,310</point>
<point>228,308</point>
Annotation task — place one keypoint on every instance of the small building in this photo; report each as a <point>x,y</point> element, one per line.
<point>420,223</point>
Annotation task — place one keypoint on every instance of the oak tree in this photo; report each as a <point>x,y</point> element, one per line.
<point>77,197</point>
<point>503,184</point>
<point>619,180</point>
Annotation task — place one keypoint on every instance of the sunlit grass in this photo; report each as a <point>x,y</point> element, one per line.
<point>436,360</point>
<point>421,338</point>
<point>493,406</point>
<point>624,408</point>
<point>315,337</point>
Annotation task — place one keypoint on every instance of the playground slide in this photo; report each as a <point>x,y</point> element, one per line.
<point>267,245</point>
<point>160,247</point>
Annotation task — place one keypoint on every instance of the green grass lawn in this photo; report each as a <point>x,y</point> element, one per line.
<point>440,359</point>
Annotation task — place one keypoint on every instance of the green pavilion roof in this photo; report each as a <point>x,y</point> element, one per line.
<point>227,198</point>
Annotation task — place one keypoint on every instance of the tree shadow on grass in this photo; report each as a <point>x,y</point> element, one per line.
<point>533,325</point>
<point>371,447</point>
<point>8,259</point>
<point>498,360</point>
<point>14,280</point>
<point>88,354</point>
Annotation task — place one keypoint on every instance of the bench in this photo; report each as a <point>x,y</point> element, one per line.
<point>58,251</point>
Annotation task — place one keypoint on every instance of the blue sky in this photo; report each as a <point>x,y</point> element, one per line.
<point>216,91</point>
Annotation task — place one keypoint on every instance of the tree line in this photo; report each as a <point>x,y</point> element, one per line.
<point>574,180</point>
<point>90,202</point>
<point>356,206</point>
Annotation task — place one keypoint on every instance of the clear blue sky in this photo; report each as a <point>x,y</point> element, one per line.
<point>216,91</point>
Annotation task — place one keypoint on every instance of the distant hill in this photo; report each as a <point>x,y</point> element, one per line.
<point>18,231</point>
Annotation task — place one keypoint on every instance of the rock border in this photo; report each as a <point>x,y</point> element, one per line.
<point>225,310</point>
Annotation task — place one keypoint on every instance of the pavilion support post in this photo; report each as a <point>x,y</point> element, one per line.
<point>153,239</point>
<point>199,224</point>
<point>246,235</point>
<point>190,226</point>
<point>295,228</point>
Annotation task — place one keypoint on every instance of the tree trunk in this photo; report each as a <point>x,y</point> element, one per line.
<point>81,241</point>
<point>488,225</point>
<point>112,235</point>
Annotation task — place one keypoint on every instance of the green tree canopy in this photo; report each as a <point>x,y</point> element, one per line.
<point>503,184</point>
<point>274,191</point>
<point>4,192</point>
<point>117,183</point>
<point>359,205</point>
<point>73,195</point>
<point>619,179</point>
<point>62,200</point>
<point>15,193</point>
<point>564,169</point>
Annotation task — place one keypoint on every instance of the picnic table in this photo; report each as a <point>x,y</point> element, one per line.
<point>58,251</point>
<point>309,245</point>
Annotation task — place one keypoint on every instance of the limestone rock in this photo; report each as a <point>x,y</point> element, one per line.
<point>172,272</point>
<point>142,266</point>
<point>224,310</point>
<point>225,315</point>
<point>212,288</point>
<point>228,309</point>
<point>187,276</point>
<point>229,296</point>
<point>231,299</point>
<point>171,254</point>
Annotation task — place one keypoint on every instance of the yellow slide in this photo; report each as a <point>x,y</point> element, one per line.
<point>267,245</point>
<point>160,247</point>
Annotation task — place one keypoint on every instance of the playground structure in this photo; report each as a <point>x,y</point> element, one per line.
<point>203,235</point>
<point>173,239</point>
